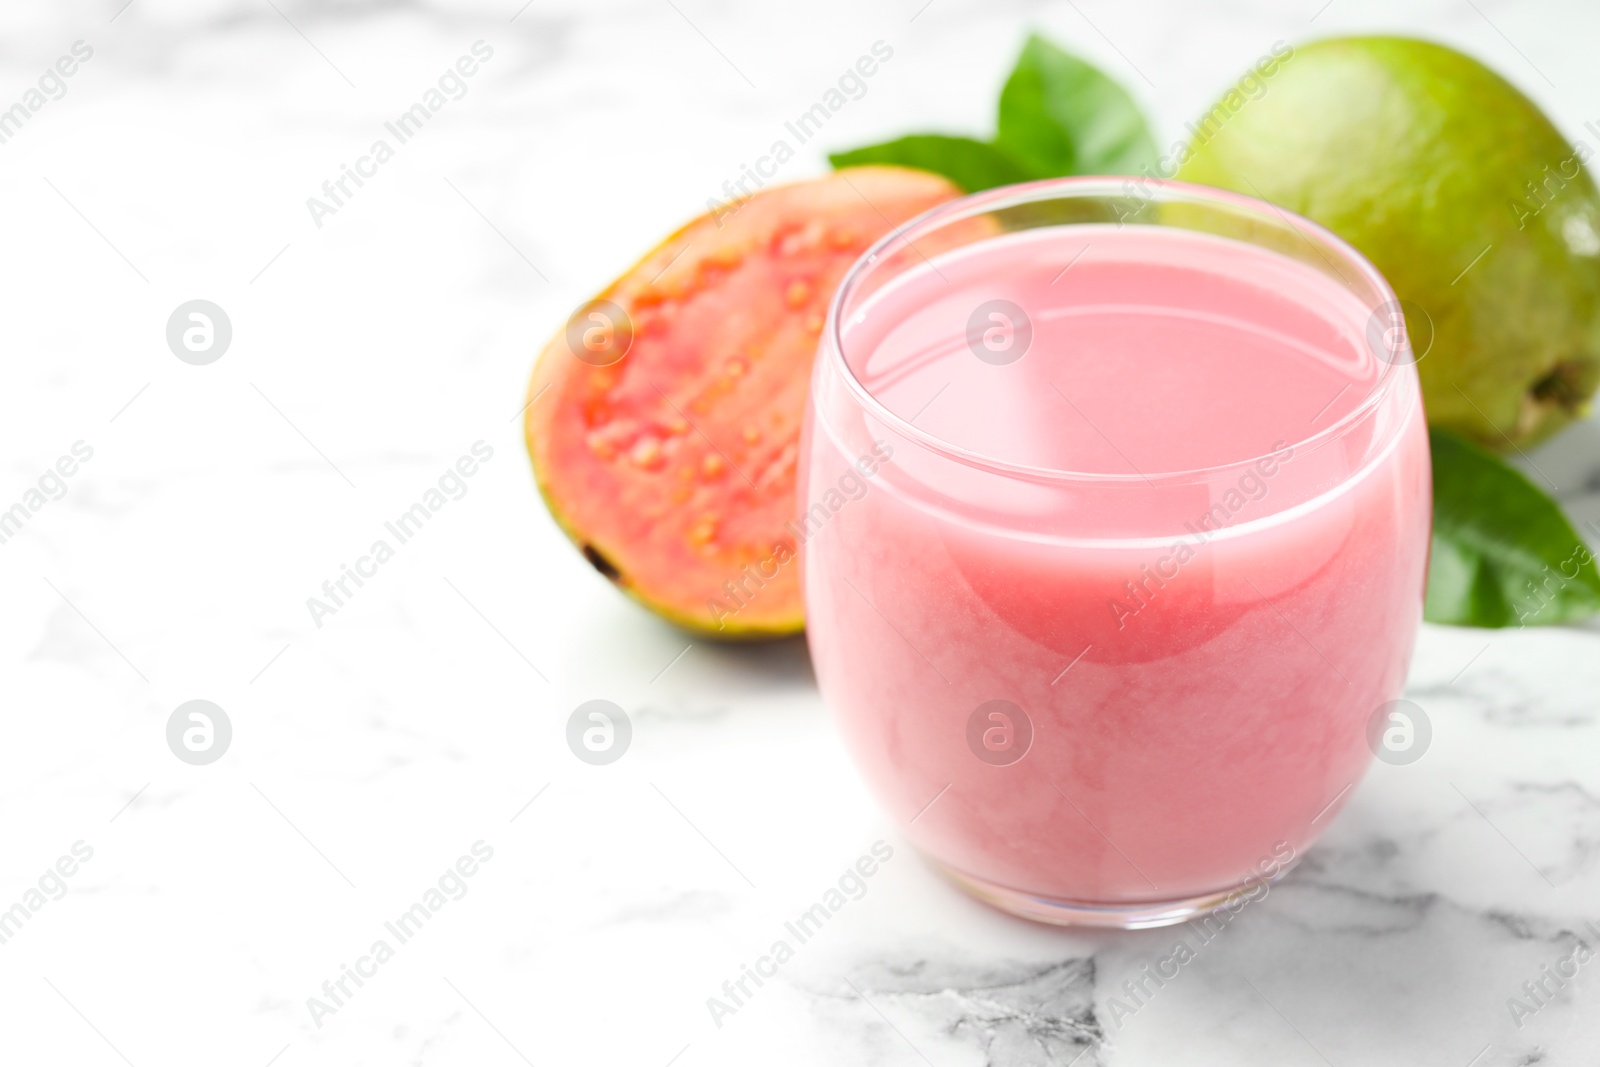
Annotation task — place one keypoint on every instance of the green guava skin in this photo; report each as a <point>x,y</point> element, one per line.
<point>1422,158</point>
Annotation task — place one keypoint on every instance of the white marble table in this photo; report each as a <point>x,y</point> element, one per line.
<point>426,715</point>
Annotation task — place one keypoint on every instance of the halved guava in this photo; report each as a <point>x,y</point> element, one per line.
<point>664,419</point>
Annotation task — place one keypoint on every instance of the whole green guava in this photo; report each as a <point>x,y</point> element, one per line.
<point>1459,189</point>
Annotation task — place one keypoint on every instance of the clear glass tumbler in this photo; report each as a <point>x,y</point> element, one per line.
<point>1115,521</point>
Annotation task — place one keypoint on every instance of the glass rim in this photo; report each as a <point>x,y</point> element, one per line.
<point>1111,188</point>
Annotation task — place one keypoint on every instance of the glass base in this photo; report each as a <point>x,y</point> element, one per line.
<point>1136,915</point>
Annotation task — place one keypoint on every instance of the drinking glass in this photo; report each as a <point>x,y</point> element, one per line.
<point>1113,619</point>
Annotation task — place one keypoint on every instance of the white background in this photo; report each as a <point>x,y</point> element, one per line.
<point>370,753</point>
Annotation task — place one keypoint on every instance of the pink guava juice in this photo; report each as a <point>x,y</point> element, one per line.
<point>1114,539</point>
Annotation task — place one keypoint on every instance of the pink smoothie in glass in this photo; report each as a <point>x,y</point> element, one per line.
<point>1174,519</point>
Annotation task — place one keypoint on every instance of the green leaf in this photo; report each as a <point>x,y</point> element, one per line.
<point>973,165</point>
<point>1063,116</point>
<point>1503,553</point>
<point>1058,116</point>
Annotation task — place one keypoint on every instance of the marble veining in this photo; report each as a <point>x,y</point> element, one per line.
<point>427,716</point>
